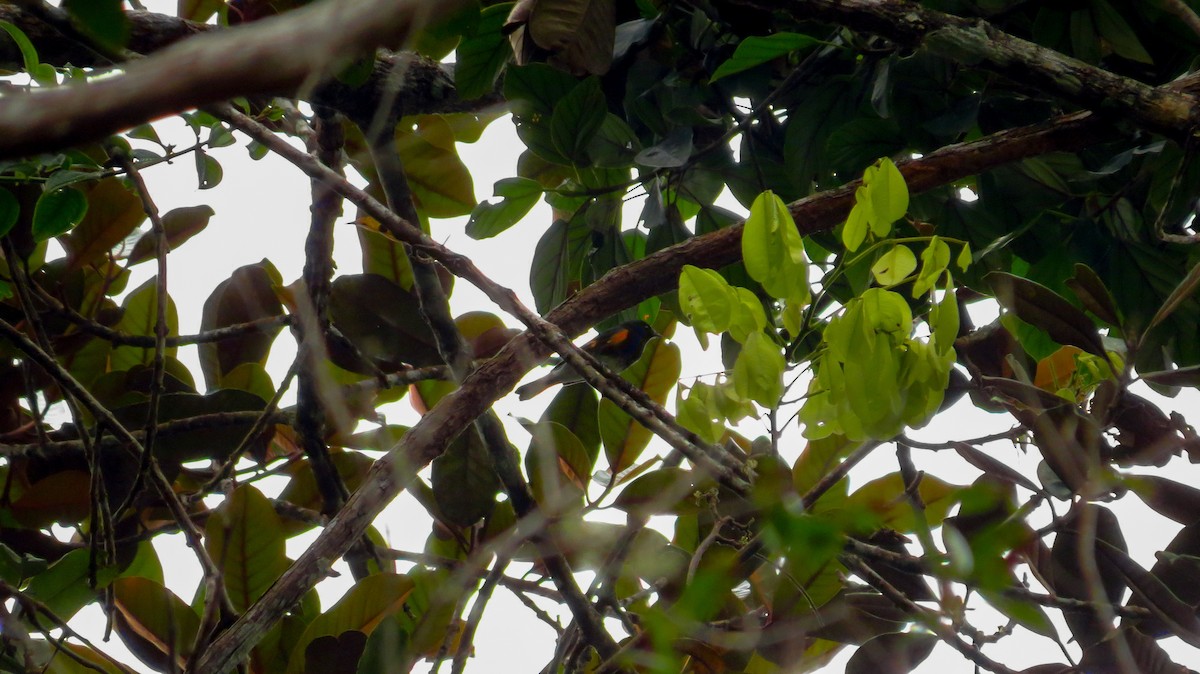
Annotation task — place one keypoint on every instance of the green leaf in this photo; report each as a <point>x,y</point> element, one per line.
<point>558,466</point>
<point>706,298</point>
<point>614,144</point>
<point>1117,33</point>
<point>943,321</point>
<point>10,210</point>
<point>758,371</point>
<point>576,119</point>
<point>889,195</point>
<point>773,250</point>
<point>103,20</point>
<point>482,55</point>
<point>886,500</point>
<point>575,407</point>
<point>894,266</point>
<point>362,609</point>
<point>536,88</point>
<point>441,184</point>
<point>64,587</point>
<point>464,480</point>
<point>934,261</point>
<point>1091,292</point>
<point>42,73</point>
<point>1178,296</point>
<point>518,195</point>
<point>57,212</point>
<point>139,318</point>
<point>199,11</point>
<point>698,412</point>
<point>557,261</point>
<point>208,171</point>
<point>854,232</point>
<point>244,536</point>
<point>179,225</point>
<point>964,258</point>
<point>756,50</point>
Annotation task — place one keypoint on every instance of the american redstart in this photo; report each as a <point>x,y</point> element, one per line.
<point>617,348</point>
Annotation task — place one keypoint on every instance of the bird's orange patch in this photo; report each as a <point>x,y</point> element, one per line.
<point>618,337</point>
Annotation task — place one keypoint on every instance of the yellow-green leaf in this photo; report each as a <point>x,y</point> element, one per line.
<point>894,266</point>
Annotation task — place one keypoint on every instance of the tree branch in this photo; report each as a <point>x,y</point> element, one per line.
<point>256,58</point>
<point>974,41</point>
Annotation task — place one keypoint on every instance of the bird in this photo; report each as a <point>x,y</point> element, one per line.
<point>617,348</point>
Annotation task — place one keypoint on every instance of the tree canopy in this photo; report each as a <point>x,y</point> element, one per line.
<point>900,167</point>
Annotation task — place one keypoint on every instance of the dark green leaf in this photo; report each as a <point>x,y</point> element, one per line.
<point>672,151</point>
<point>577,117</point>
<point>483,54</point>
<point>755,50</point>
<point>464,480</point>
<point>103,20</point>
<point>1046,310</point>
<point>10,209</point>
<point>1093,295</point>
<point>57,212</point>
<point>208,171</point>
<point>247,295</point>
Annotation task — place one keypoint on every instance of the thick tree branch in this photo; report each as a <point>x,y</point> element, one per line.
<point>974,41</point>
<point>257,58</point>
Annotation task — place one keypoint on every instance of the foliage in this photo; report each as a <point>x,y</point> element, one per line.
<point>897,174</point>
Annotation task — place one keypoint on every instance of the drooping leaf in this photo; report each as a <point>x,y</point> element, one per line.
<point>656,372</point>
<point>442,187</point>
<point>896,653</point>
<point>483,53</point>
<point>886,499</point>
<point>758,371</point>
<point>179,225</point>
<point>363,608</point>
<point>245,538</point>
<point>247,295</point>
<point>382,321</point>
<point>153,616</point>
<point>113,211</point>
<point>558,467</point>
<point>464,480</point>
<point>773,250</point>
<point>140,318</point>
<point>578,33</point>
<point>1042,308</point>
<point>1091,292</point>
